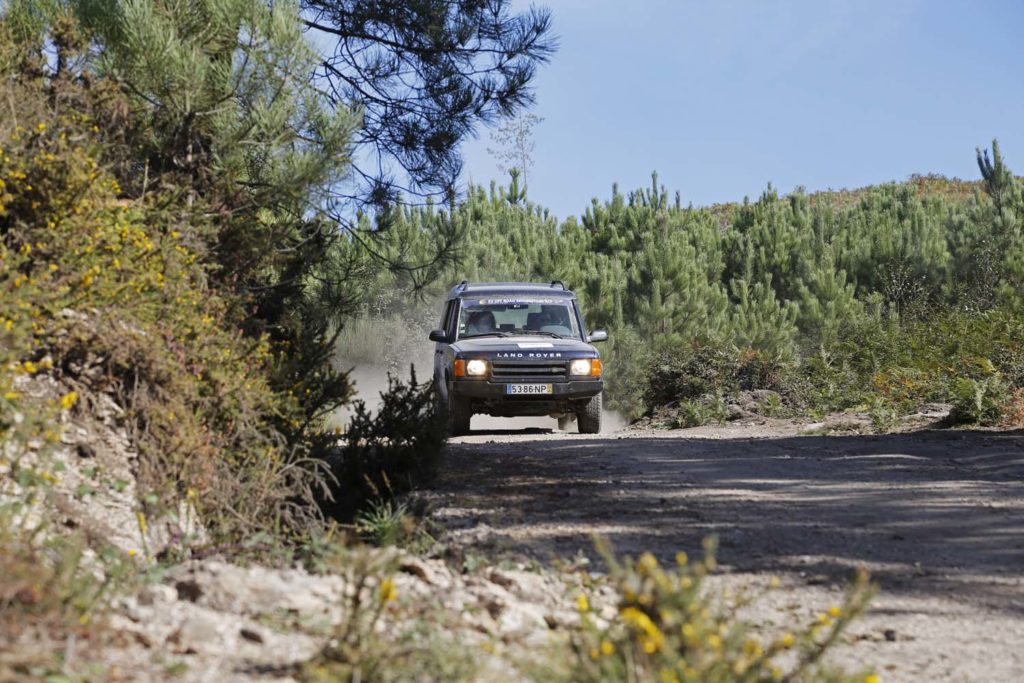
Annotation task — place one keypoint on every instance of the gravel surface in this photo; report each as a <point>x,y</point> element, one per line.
<point>937,516</point>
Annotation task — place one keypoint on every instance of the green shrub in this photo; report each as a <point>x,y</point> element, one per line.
<point>385,522</point>
<point>980,400</point>
<point>700,374</point>
<point>694,413</point>
<point>387,453</point>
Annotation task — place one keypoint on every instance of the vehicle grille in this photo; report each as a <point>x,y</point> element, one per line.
<point>528,371</point>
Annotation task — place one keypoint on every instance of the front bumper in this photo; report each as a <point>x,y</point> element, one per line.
<point>492,398</point>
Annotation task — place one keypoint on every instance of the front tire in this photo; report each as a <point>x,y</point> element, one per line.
<point>589,419</point>
<point>459,414</point>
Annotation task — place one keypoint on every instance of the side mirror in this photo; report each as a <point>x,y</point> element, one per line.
<point>439,336</point>
<point>598,336</point>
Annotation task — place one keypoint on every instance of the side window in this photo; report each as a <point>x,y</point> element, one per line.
<point>446,316</point>
<point>449,314</point>
<point>583,323</point>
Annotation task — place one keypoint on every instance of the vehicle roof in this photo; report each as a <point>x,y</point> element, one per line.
<point>552,289</point>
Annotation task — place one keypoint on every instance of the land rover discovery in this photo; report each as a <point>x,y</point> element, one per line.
<point>513,349</point>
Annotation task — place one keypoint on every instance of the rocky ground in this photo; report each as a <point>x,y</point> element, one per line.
<point>936,515</point>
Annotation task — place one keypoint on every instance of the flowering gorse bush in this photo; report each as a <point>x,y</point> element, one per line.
<point>669,628</point>
<point>109,295</point>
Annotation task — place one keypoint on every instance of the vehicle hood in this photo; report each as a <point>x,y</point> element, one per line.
<point>523,346</point>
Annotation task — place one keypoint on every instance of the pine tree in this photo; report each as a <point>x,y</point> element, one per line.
<point>515,144</point>
<point>424,74</point>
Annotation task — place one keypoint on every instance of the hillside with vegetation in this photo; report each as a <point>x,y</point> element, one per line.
<point>883,298</point>
<point>192,257</point>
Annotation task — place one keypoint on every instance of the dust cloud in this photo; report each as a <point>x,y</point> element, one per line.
<point>368,384</point>
<point>612,421</point>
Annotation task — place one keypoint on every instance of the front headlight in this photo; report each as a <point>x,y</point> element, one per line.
<point>476,368</point>
<point>580,368</point>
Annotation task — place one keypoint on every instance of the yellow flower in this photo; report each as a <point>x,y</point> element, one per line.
<point>68,400</point>
<point>774,582</point>
<point>787,641</point>
<point>715,641</point>
<point>388,592</point>
<point>41,127</point>
<point>872,678</point>
<point>11,395</point>
<point>131,553</point>
<point>668,675</point>
<point>823,619</point>
<point>606,647</point>
<point>682,558</point>
<point>647,563</point>
<point>834,612</point>
<point>141,517</point>
<point>652,638</point>
<point>582,604</point>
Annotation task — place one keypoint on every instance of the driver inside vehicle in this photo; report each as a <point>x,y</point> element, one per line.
<point>535,321</point>
<point>480,322</point>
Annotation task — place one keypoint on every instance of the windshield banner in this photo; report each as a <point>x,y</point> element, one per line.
<point>515,300</point>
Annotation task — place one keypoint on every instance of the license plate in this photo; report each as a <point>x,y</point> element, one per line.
<point>528,389</point>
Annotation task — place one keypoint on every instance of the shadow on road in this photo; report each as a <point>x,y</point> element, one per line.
<point>942,509</point>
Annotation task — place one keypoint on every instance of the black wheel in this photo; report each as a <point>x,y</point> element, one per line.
<point>565,423</point>
<point>459,413</point>
<point>589,419</point>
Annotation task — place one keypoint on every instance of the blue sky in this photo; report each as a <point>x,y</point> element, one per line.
<point>722,97</point>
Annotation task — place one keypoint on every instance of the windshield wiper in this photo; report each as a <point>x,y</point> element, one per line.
<point>537,333</point>
<point>484,334</point>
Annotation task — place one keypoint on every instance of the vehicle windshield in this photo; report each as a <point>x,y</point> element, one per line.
<point>501,316</point>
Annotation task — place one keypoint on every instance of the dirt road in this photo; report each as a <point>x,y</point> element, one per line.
<point>936,516</point>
